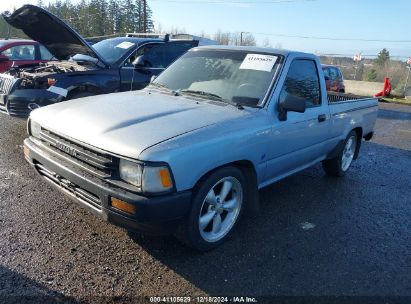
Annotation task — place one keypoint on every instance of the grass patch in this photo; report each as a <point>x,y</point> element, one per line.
<point>397,100</point>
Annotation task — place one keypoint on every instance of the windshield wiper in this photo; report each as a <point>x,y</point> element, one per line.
<point>162,86</point>
<point>213,96</point>
<point>202,93</point>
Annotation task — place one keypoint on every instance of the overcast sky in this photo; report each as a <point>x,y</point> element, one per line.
<point>387,21</point>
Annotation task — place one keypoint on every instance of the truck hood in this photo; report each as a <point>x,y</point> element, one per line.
<point>52,32</point>
<point>128,123</point>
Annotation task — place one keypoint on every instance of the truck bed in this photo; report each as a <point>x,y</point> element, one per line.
<point>334,97</point>
<point>348,109</point>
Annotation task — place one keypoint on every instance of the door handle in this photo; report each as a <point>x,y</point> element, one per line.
<point>322,118</point>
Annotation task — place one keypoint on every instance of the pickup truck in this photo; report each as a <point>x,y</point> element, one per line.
<point>111,65</point>
<point>188,154</point>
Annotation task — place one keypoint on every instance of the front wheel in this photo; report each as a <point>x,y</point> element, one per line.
<point>216,208</point>
<point>339,165</point>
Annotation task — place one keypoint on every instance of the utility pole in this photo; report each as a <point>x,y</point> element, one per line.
<point>145,16</point>
<point>406,81</point>
<point>241,37</point>
<point>357,58</point>
<point>408,74</point>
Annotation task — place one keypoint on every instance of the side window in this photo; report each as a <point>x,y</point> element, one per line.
<point>175,50</point>
<point>339,74</point>
<point>45,54</point>
<point>333,73</point>
<point>153,56</point>
<point>302,81</point>
<point>20,52</point>
<point>326,73</point>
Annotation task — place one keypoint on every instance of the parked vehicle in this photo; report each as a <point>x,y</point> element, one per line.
<point>111,65</point>
<point>20,52</point>
<point>333,78</point>
<point>193,148</point>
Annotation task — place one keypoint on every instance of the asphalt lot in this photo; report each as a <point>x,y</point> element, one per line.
<point>360,245</point>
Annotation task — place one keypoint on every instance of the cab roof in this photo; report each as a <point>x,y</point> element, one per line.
<point>256,49</point>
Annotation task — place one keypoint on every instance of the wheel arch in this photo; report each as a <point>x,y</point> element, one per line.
<point>359,132</point>
<point>248,169</point>
<point>83,88</point>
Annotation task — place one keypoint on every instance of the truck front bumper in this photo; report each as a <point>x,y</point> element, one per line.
<point>154,215</point>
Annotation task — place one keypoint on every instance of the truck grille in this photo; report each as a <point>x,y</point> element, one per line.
<point>101,164</point>
<point>6,83</point>
<point>69,187</point>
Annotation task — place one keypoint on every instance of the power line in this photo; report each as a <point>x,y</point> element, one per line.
<point>350,55</point>
<point>333,38</point>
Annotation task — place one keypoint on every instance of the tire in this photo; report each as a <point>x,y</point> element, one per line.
<point>80,95</point>
<point>212,220</point>
<point>339,165</point>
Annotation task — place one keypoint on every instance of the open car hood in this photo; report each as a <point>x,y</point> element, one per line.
<point>52,32</point>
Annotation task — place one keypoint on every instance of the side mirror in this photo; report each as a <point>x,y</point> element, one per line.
<point>139,62</point>
<point>4,58</point>
<point>290,103</point>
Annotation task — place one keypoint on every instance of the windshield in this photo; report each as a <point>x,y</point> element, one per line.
<point>111,50</point>
<point>235,76</point>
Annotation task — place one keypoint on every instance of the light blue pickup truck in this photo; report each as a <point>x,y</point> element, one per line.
<point>188,154</point>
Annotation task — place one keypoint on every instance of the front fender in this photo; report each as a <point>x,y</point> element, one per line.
<point>193,155</point>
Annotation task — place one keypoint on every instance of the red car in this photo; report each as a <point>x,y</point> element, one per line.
<point>19,52</point>
<point>333,78</point>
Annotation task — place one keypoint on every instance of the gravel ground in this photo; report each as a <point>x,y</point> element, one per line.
<point>314,235</point>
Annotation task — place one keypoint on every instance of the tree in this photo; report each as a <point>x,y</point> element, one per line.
<point>96,17</point>
<point>222,38</point>
<point>248,39</point>
<point>371,75</point>
<point>383,57</point>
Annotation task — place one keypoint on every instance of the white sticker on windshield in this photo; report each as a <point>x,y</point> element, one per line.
<point>258,62</point>
<point>125,45</point>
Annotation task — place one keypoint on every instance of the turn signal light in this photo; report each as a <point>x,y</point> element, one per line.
<point>51,81</point>
<point>123,206</point>
<point>165,178</point>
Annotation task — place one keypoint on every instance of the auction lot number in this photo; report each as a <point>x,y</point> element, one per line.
<point>202,300</point>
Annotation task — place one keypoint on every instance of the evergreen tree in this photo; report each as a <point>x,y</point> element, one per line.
<point>383,57</point>
<point>96,17</point>
<point>371,75</point>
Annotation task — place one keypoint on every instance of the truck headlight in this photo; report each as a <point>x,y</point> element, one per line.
<point>131,172</point>
<point>148,178</point>
<point>34,129</point>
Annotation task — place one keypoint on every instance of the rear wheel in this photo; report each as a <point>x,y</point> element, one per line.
<point>216,208</point>
<point>339,165</point>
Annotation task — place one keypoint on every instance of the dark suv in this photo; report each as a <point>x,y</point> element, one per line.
<point>112,65</point>
<point>333,78</point>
